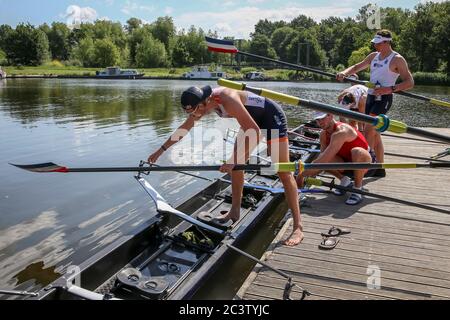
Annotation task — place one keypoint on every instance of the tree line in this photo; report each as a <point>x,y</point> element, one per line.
<point>420,35</point>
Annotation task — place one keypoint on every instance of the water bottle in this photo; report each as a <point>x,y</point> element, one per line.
<point>377,97</point>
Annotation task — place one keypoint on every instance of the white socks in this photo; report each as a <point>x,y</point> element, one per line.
<point>345,181</point>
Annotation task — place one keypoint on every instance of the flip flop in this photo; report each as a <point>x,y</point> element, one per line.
<point>354,199</point>
<point>328,243</point>
<point>335,232</point>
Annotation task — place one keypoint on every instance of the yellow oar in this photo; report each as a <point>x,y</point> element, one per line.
<point>381,122</point>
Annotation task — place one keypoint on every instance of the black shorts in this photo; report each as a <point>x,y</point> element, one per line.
<point>269,117</point>
<point>274,123</point>
<point>374,107</point>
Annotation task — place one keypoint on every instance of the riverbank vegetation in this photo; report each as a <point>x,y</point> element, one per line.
<point>158,49</point>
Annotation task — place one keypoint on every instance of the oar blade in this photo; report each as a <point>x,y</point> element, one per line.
<point>41,167</point>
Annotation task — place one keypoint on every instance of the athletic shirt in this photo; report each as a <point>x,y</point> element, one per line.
<point>254,104</point>
<point>357,91</point>
<point>346,150</point>
<point>380,72</point>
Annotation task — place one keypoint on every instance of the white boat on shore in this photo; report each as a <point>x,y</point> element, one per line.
<point>202,72</point>
<point>117,73</point>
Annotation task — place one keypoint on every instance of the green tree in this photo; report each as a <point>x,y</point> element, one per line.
<point>306,37</point>
<point>260,45</point>
<point>424,40</point>
<point>136,37</point>
<point>151,53</point>
<point>84,52</point>
<point>2,57</point>
<point>5,32</point>
<point>133,24</point>
<point>302,22</point>
<point>26,45</point>
<point>180,54</point>
<point>266,27</point>
<point>163,29</point>
<point>58,37</point>
<point>105,53</point>
<point>280,39</point>
<point>358,55</point>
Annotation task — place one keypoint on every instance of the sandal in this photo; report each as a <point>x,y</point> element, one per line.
<point>354,199</point>
<point>340,192</point>
<point>335,232</point>
<point>328,243</point>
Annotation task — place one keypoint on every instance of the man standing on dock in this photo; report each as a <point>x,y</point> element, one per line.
<point>385,67</point>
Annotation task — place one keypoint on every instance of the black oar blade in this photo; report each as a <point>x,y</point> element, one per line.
<point>41,167</point>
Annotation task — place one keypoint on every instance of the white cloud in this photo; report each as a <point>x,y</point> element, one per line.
<point>222,28</point>
<point>255,1</point>
<point>168,10</point>
<point>76,15</point>
<point>109,2</point>
<point>132,7</point>
<point>228,4</point>
<point>244,19</point>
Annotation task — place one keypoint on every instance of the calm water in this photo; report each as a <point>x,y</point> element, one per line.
<point>49,221</point>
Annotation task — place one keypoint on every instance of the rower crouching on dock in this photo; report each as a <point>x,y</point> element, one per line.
<point>340,142</point>
<point>255,115</point>
<point>386,66</point>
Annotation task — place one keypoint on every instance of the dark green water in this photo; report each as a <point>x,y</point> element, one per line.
<point>50,221</point>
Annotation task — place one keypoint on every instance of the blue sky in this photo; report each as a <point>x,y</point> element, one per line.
<point>227,17</point>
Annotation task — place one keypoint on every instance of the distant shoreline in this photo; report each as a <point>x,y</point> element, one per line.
<point>274,75</point>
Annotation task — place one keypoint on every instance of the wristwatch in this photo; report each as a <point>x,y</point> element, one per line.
<point>393,88</point>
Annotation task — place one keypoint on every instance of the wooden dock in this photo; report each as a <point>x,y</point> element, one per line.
<point>394,251</point>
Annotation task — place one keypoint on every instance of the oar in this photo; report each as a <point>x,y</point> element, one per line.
<point>318,182</point>
<point>273,190</point>
<point>227,46</point>
<point>19,293</point>
<point>296,166</point>
<point>381,123</point>
<point>413,157</point>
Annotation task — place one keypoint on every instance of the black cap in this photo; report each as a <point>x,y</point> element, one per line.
<point>192,96</point>
<point>347,99</point>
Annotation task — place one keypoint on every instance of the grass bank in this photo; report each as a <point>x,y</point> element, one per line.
<point>421,78</point>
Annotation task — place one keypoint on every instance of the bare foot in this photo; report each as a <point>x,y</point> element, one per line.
<point>295,238</point>
<point>230,215</point>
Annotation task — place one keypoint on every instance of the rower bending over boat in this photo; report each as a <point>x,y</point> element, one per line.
<point>354,99</point>
<point>340,142</point>
<point>253,113</point>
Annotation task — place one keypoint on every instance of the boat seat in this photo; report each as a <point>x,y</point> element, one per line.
<point>136,282</point>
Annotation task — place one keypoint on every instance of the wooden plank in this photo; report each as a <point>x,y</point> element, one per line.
<point>319,288</point>
<point>365,260</point>
<point>417,288</point>
<point>433,261</point>
<point>380,237</point>
<point>398,274</point>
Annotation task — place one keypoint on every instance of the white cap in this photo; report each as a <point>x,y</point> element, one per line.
<point>379,39</point>
<point>319,115</point>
